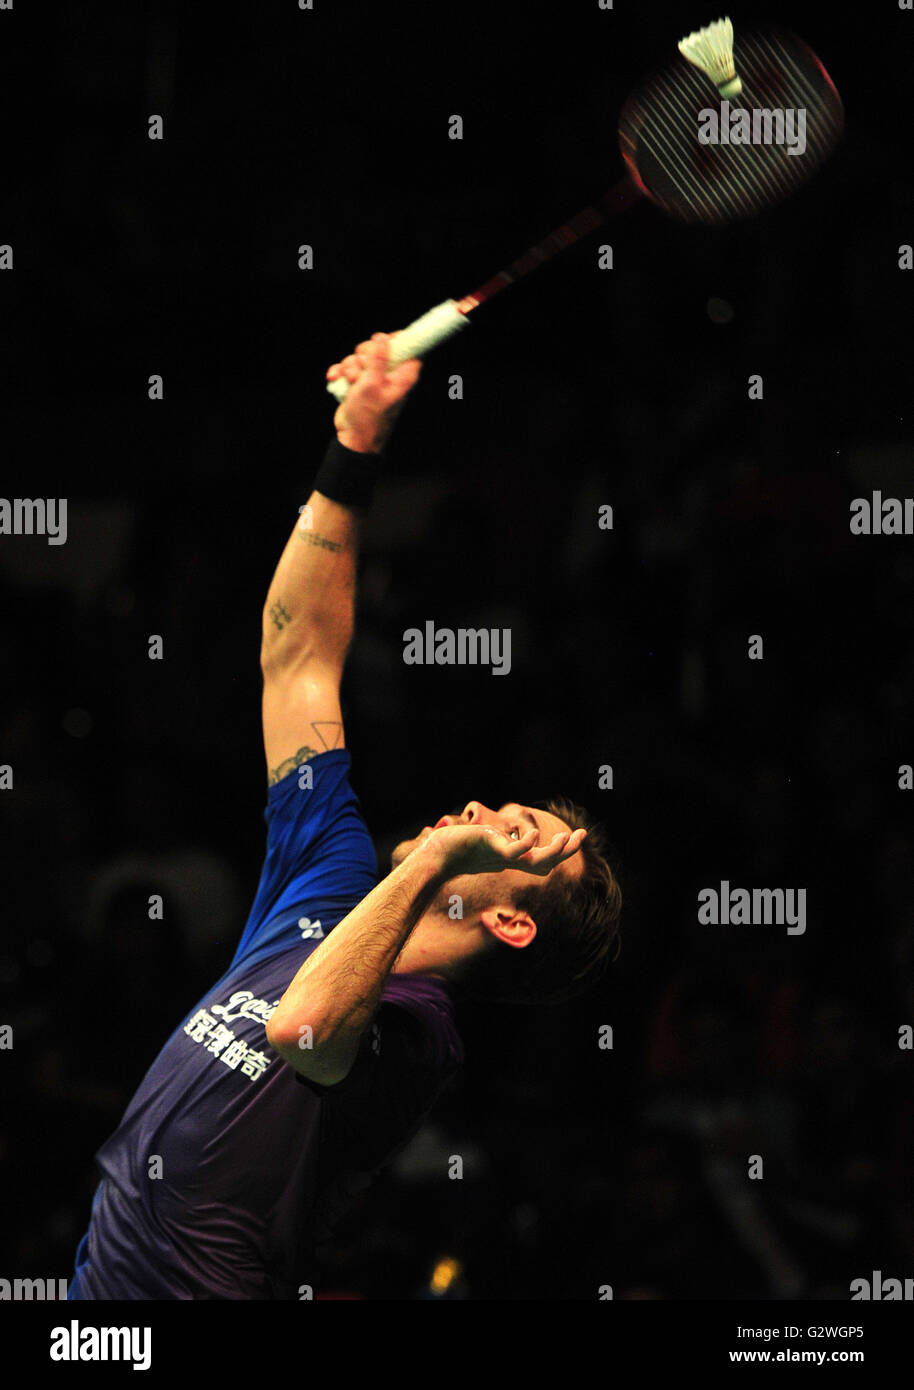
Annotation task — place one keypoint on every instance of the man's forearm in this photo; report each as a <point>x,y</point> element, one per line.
<point>338,989</point>
<point>310,603</point>
<point>309,611</point>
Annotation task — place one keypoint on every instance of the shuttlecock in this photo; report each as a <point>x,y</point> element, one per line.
<point>711,49</point>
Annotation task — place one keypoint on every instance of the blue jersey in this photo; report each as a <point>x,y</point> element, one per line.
<point>228,1168</point>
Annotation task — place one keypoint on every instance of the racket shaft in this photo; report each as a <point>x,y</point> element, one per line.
<point>446,319</point>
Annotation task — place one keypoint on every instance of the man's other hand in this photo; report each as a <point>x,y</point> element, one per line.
<point>481,849</point>
<point>375,396</point>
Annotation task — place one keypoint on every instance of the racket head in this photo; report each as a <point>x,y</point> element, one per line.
<point>719,183</point>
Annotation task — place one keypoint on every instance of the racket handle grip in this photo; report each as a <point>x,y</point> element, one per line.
<point>418,338</point>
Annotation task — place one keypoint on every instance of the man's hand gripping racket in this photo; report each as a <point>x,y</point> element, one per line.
<point>372,385</point>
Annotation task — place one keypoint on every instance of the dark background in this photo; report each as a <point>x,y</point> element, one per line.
<point>583,1167</point>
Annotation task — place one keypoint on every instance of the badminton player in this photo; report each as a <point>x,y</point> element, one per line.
<point>318,1053</point>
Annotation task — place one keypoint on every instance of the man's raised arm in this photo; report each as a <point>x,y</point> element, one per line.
<point>309,612</point>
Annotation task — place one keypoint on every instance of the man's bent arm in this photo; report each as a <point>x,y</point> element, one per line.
<point>321,1017</point>
<point>338,989</point>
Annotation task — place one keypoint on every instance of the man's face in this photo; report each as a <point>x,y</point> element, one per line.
<point>512,820</point>
<point>489,902</point>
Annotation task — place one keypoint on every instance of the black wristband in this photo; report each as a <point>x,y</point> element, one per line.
<point>346,476</point>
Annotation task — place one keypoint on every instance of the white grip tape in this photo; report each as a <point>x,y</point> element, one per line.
<point>416,339</point>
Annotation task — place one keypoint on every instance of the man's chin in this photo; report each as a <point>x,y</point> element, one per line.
<point>400,851</point>
<point>405,847</point>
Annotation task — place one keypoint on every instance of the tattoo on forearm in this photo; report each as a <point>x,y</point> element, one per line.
<point>329,731</point>
<point>280,614</point>
<point>312,538</point>
<point>330,734</point>
<point>286,766</point>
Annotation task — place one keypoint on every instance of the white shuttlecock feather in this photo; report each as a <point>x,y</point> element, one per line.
<point>711,49</point>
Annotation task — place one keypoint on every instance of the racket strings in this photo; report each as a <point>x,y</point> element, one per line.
<point>705,183</point>
<point>804,97</point>
<point>719,182</point>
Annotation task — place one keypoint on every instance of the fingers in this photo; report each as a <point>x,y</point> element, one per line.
<point>369,354</point>
<point>368,358</point>
<point>522,846</point>
<point>561,847</point>
<point>372,357</point>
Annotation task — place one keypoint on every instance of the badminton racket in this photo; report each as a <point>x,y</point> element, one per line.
<point>751,83</point>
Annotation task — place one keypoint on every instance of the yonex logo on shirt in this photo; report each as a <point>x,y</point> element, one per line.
<point>310,930</point>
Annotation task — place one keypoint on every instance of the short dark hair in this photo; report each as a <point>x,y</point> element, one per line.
<point>577,928</point>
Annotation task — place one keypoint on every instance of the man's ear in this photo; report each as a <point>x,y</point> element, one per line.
<point>512,925</point>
